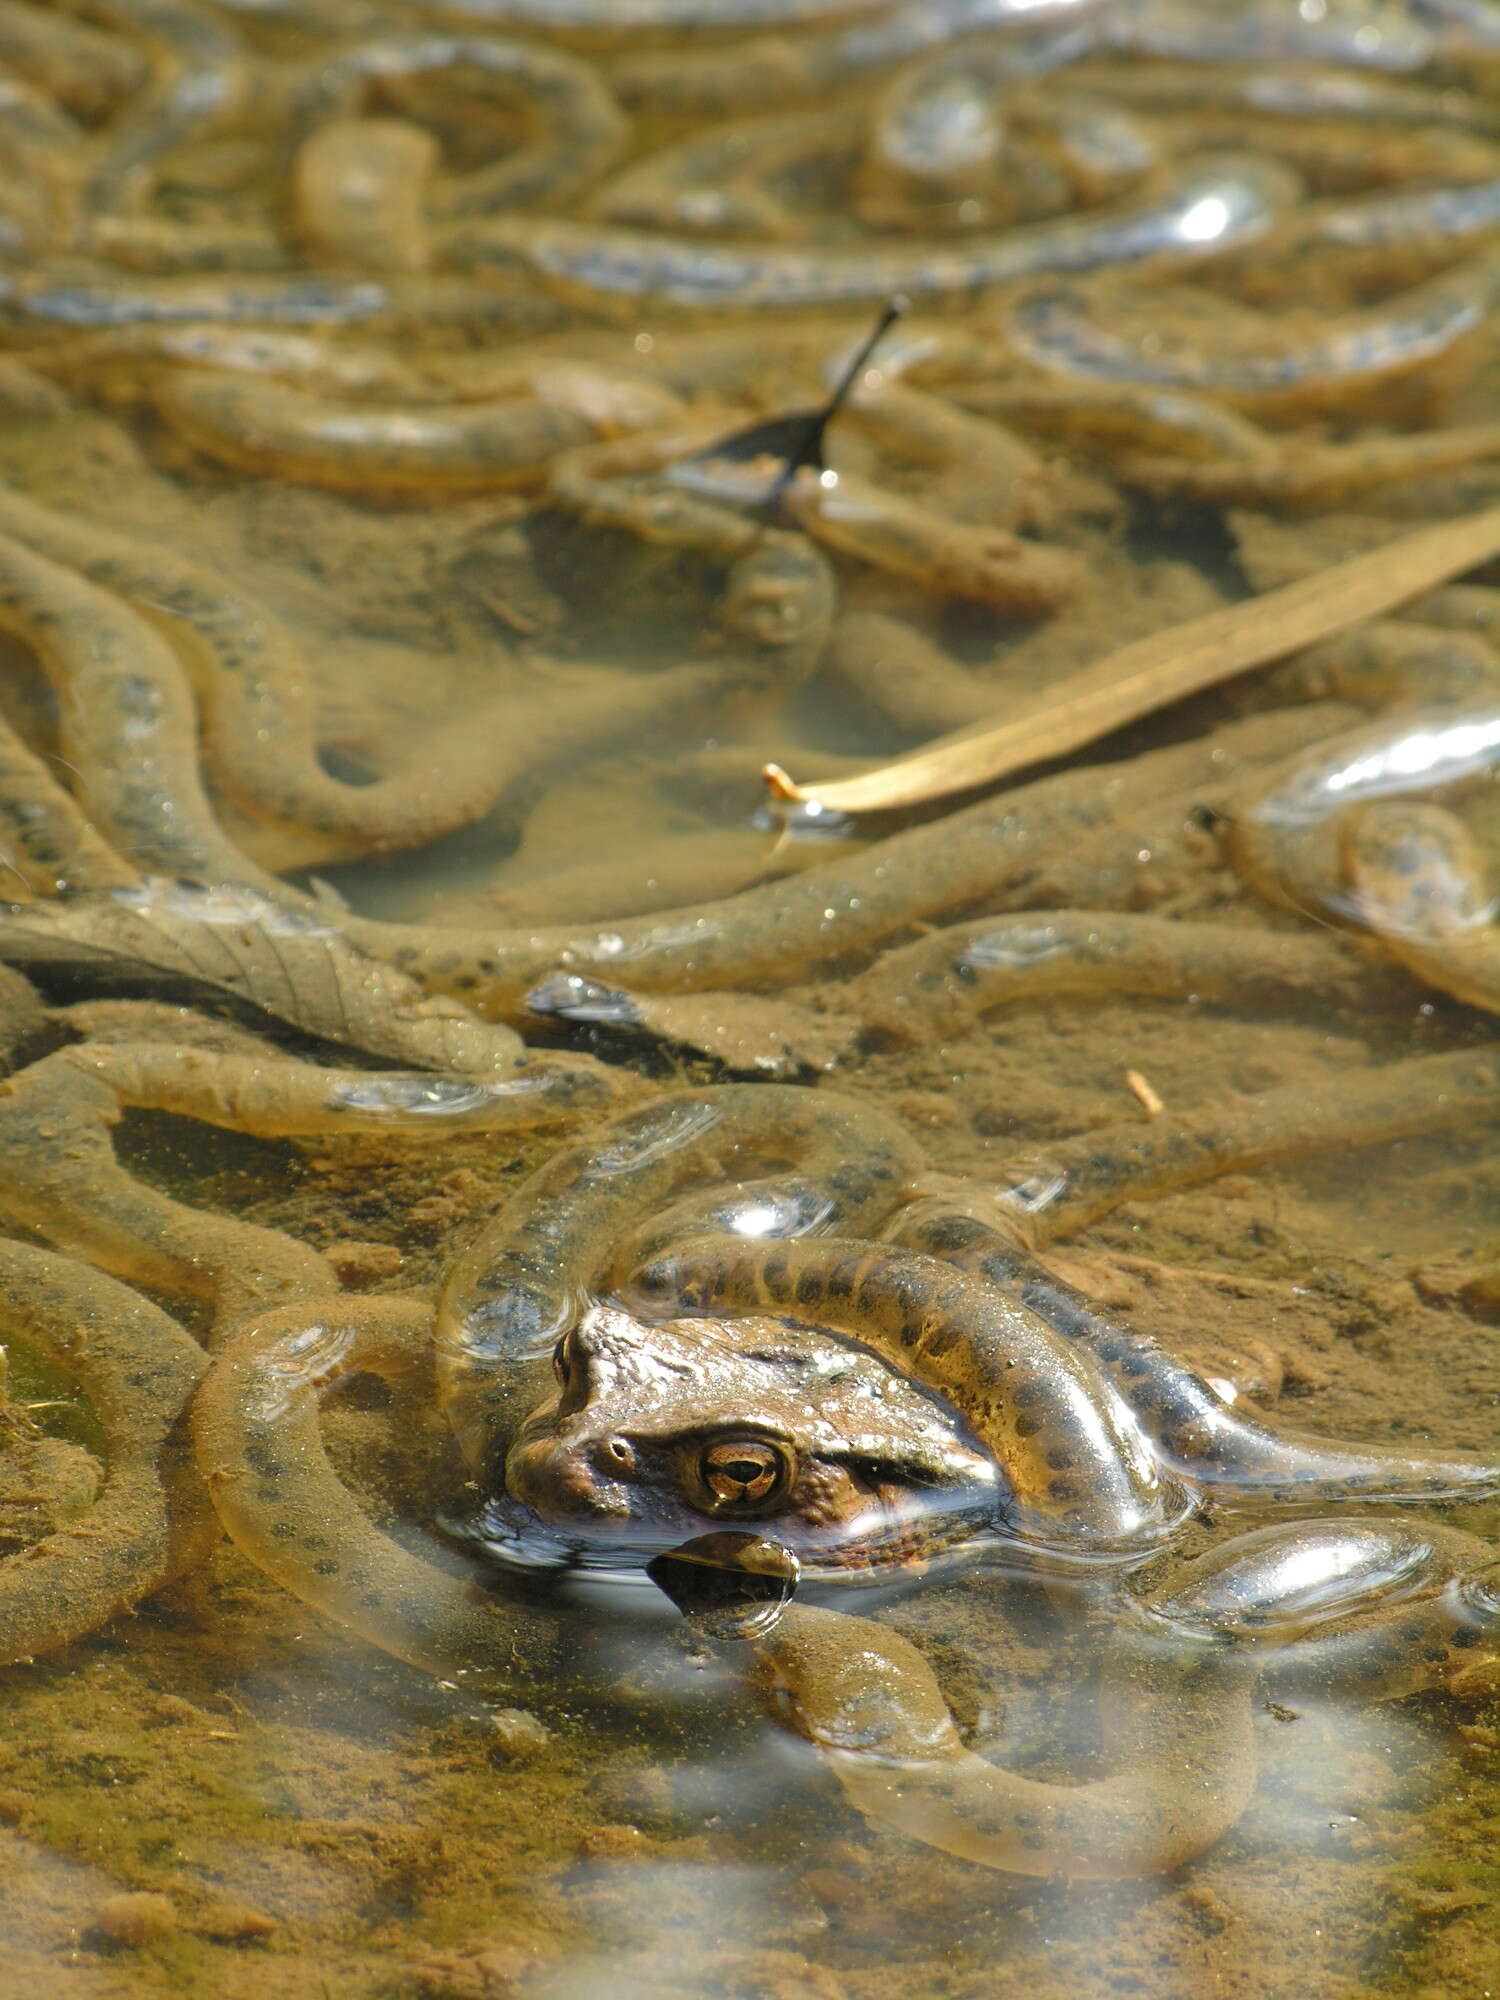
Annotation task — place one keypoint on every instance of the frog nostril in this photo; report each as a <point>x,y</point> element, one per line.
<point>619,1454</point>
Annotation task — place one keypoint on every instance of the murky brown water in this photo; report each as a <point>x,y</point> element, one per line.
<point>303,1814</point>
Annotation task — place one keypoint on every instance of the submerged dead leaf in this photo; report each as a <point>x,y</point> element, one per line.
<point>232,941</point>
<point>747,1032</point>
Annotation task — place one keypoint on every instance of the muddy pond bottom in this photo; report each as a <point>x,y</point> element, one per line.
<point>1001,1222</point>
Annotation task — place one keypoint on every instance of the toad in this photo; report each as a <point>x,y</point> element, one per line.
<point>658,1432</point>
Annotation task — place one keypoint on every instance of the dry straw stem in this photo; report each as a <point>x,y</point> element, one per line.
<point>1164,667</point>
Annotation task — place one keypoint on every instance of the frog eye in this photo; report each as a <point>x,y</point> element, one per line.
<point>570,1366</point>
<point>746,1475</point>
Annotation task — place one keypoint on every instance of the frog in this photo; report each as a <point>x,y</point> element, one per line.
<point>661,1432</point>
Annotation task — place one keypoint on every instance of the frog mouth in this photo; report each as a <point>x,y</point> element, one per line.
<point>507,1535</point>
<point>901,1535</point>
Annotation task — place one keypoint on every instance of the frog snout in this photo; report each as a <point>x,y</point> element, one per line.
<point>581,1478</point>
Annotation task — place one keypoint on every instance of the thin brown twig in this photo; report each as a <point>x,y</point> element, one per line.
<point>1164,667</point>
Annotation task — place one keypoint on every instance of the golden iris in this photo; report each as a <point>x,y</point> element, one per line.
<point>743,1475</point>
